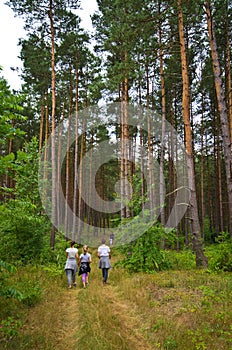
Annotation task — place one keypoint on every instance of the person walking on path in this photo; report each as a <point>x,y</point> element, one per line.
<point>84,264</point>
<point>71,264</point>
<point>104,256</point>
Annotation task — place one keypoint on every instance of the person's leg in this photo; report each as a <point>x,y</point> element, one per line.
<point>69,277</point>
<point>83,277</point>
<point>74,278</point>
<point>87,278</point>
<point>105,275</point>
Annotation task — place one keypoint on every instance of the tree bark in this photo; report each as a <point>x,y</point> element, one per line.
<point>151,190</point>
<point>201,260</point>
<point>163,115</point>
<point>76,149</point>
<point>221,108</point>
<point>124,167</point>
<point>53,147</point>
<point>67,188</point>
<point>42,112</point>
<point>229,83</point>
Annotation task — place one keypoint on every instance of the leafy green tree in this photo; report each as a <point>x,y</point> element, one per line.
<point>23,228</point>
<point>11,135</point>
<point>10,117</point>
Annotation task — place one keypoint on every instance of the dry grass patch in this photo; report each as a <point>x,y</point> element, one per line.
<point>182,310</point>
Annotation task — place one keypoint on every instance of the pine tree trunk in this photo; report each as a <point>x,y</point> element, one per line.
<point>45,158</point>
<point>142,167</point>
<point>42,112</point>
<point>125,190</point>
<point>229,83</point>
<point>58,201</point>
<point>67,182</point>
<point>76,152</point>
<point>222,109</point>
<point>163,108</point>
<point>221,223</point>
<point>151,191</point>
<point>53,147</point>
<point>81,171</point>
<point>201,260</point>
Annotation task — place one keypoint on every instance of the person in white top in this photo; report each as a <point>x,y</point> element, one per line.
<point>104,256</point>
<point>84,263</point>
<point>71,264</point>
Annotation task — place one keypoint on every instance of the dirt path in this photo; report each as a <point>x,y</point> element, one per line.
<point>96,318</point>
<point>105,321</point>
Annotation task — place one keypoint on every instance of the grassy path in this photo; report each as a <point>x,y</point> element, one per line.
<point>107,322</point>
<point>166,310</point>
<point>96,318</point>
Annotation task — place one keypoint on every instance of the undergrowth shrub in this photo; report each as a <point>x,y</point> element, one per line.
<point>220,254</point>
<point>145,253</point>
<point>17,289</point>
<point>182,260</point>
<point>6,290</point>
<point>22,232</point>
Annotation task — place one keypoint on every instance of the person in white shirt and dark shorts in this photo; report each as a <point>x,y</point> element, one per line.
<point>104,256</point>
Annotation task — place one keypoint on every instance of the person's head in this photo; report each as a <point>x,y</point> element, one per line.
<point>85,249</point>
<point>72,244</point>
<point>103,240</point>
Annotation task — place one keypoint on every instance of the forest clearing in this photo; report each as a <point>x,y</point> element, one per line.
<point>179,309</point>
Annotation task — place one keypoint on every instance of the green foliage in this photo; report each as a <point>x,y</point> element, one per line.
<point>25,291</point>
<point>5,290</point>
<point>53,260</point>
<point>23,168</point>
<point>10,114</point>
<point>197,339</point>
<point>32,293</point>
<point>10,327</point>
<point>22,232</point>
<point>182,260</point>
<point>208,234</point>
<point>170,343</point>
<point>145,254</point>
<point>22,227</point>
<point>26,173</point>
<point>220,254</point>
<point>18,288</point>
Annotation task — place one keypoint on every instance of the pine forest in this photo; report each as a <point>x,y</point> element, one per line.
<point>123,131</point>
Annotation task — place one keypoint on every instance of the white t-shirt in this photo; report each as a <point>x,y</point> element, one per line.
<point>103,250</point>
<point>71,252</point>
<point>85,257</point>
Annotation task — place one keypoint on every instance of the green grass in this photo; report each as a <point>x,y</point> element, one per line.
<point>183,308</point>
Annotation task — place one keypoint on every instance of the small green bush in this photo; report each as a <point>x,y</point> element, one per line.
<point>145,253</point>
<point>220,254</point>
<point>182,260</point>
